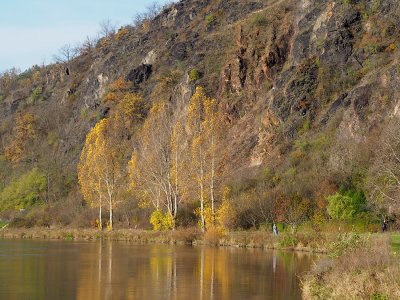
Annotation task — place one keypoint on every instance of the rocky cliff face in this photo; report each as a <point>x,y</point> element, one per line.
<point>284,72</point>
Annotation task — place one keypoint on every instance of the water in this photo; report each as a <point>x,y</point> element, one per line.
<point>114,270</point>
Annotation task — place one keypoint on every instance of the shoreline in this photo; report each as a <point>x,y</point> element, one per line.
<point>236,239</point>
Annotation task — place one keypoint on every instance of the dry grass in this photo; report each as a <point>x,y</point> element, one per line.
<point>135,236</point>
<point>371,271</point>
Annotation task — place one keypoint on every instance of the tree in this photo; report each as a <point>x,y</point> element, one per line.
<point>346,204</point>
<point>202,118</point>
<point>24,133</point>
<point>87,46</point>
<point>66,54</point>
<point>384,177</point>
<point>100,167</point>
<point>107,28</point>
<point>150,166</point>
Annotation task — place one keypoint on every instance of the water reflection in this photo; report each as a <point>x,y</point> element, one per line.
<point>104,270</point>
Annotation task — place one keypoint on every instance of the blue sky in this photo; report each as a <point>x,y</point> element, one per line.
<point>32,31</point>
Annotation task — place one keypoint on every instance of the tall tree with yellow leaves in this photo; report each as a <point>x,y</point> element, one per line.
<point>100,167</point>
<point>204,127</point>
<point>150,166</point>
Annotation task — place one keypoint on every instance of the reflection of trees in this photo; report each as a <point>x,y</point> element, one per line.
<point>106,270</point>
<point>164,272</point>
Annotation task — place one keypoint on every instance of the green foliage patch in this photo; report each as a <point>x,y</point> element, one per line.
<point>346,204</point>
<point>24,191</point>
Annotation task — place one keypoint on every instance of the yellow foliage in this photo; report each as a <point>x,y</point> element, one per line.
<point>132,106</point>
<point>100,166</point>
<point>24,132</point>
<point>391,48</point>
<point>121,33</point>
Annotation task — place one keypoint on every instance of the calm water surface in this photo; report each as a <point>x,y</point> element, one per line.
<point>114,270</point>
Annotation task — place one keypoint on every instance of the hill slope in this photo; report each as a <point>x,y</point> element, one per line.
<point>306,91</point>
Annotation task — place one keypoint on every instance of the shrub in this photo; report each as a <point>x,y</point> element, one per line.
<point>346,205</point>
<point>226,215</point>
<point>161,221</point>
<point>288,241</point>
<point>346,242</point>
<point>24,191</point>
<point>210,19</point>
<point>122,32</point>
<point>194,75</point>
<point>36,94</point>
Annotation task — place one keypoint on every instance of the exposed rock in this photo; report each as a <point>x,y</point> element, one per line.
<point>140,74</point>
<point>169,19</point>
<point>179,51</point>
<point>150,58</point>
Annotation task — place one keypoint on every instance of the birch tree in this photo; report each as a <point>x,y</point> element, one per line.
<point>203,123</point>
<point>150,166</point>
<point>100,167</point>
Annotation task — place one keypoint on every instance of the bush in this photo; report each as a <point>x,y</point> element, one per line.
<point>346,205</point>
<point>36,95</point>
<point>161,221</point>
<point>346,242</point>
<point>210,19</point>
<point>23,192</point>
<point>194,75</point>
<point>288,241</point>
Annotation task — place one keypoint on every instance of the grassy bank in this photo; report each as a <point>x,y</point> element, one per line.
<point>360,267</point>
<point>311,242</point>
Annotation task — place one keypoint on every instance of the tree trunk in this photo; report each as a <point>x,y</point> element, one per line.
<point>203,221</point>
<point>212,188</point>
<point>111,216</point>
<point>100,222</point>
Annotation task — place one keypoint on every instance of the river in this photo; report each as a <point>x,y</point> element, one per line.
<point>115,270</point>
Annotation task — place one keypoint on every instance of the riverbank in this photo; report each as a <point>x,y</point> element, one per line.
<point>310,242</point>
<point>363,267</point>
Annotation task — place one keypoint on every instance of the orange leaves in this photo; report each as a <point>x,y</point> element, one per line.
<point>116,90</point>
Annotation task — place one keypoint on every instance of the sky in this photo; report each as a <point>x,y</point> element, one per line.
<point>32,31</point>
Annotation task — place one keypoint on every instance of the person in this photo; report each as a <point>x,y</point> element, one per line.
<point>384,226</point>
<point>275,229</point>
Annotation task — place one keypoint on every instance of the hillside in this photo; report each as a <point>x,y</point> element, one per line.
<point>305,107</point>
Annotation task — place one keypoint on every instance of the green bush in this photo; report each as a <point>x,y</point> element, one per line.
<point>379,296</point>
<point>161,221</point>
<point>194,75</point>
<point>24,191</point>
<point>288,241</point>
<point>346,242</point>
<point>346,204</point>
<point>36,95</point>
<point>210,19</point>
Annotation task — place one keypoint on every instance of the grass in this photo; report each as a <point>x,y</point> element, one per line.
<point>367,269</point>
<point>310,241</point>
<point>3,224</point>
<point>395,243</point>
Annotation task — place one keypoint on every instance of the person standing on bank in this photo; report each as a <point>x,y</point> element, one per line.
<point>275,229</point>
<point>384,226</point>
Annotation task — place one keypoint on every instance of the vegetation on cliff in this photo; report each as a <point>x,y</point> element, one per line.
<point>219,114</point>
